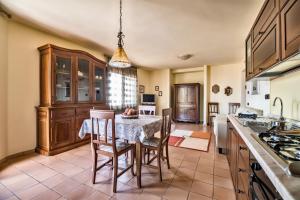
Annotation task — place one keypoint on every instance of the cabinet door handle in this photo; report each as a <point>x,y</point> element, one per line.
<point>260,69</point>
<point>250,72</point>
<point>243,148</point>
<point>242,170</point>
<point>261,32</point>
<point>239,191</point>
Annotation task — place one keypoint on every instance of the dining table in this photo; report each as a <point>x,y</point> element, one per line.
<point>132,130</point>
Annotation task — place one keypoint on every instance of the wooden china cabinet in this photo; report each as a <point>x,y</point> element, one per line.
<point>71,83</point>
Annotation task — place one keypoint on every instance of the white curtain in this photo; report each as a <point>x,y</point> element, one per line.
<point>122,88</point>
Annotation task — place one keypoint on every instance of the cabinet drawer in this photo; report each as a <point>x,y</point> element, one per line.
<point>62,113</point>
<point>267,14</point>
<point>244,152</point>
<point>267,51</point>
<point>83,111</point>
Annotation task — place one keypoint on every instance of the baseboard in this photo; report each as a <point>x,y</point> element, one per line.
<point>16,155</point>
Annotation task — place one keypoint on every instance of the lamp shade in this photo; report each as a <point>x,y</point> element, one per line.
<point>119,59</point>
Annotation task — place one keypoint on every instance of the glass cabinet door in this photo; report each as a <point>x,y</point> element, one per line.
<point>99,89</point>
<point>83,89</point>
<point>63,79</point>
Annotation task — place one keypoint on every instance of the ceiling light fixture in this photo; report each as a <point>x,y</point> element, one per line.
<point>185,56</point>
<point>119,58</point>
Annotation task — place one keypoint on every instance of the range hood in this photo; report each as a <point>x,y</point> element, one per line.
<point>286,66</point>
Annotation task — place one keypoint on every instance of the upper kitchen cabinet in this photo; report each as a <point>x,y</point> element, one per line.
<point>267,14</point>
<point>267,50</point>
<point>275,38</point>
<point>290,28</point>
<point>249,69</point>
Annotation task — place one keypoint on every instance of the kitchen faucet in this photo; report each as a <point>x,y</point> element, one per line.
<point>281,124</point>
<point>281,107</point>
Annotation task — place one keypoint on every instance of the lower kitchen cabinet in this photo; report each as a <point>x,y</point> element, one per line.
<point>238,159</point>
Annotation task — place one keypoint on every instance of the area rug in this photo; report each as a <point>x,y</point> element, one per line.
<point>198,140</point>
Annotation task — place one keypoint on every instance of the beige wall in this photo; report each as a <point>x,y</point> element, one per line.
<point>226,75</point>
<point>286,87</point>
<point>162,79</point>
<point>3,87</point>
<point>23,82</point>
<point>144,79</point>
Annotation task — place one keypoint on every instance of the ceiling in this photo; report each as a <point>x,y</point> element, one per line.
<point>157,31</point>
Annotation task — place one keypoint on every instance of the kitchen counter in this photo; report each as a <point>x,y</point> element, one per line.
<point>287,186</point>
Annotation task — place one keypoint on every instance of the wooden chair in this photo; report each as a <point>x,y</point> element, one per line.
<point>233,107</point>
<point>158,144</point>
<point>102,144</point>
<point>213,110</point>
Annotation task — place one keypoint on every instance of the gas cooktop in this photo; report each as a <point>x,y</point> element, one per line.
<point>286,146</point>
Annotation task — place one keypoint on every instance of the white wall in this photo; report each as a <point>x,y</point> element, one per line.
<point>286,87</point>
<point>258,100</point>
<point>3,87</point>
<point>226,75</point>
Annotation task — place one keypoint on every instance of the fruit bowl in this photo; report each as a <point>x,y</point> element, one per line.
<point>130,116</point>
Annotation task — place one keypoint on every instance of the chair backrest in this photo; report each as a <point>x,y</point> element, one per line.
<point>166,125</point>
<point>213,107</point>
<point>103,122</point>
<point>233,107</point>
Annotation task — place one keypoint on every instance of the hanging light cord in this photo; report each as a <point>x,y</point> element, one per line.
<point>120,34</point>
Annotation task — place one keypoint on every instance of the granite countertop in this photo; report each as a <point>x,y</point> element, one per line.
<point>287,186</point>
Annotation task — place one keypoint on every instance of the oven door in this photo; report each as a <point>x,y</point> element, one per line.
<point>260,189</point>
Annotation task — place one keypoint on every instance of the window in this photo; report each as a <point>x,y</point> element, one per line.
<point>122,88</point>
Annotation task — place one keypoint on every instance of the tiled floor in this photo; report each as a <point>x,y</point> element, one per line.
<point>194,175</point>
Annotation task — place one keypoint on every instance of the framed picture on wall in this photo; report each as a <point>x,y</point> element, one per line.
<point>141,89</point>
<point>160,93</point>
<point>156,88</point>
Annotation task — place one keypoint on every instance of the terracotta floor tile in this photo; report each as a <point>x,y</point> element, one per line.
<point>185,172</point>
<point>174,193</point>
<point>222,172</point>
<point>96,195</point>
<point>79,192</point>
<point>223,182</point>
<point>5,193</point>
<point>194,196</point>
<point>205,169</point>
<point>42,173</point>
<point>222,165</point>
<point>66,186</point>
<point>182,182</point>
<point>32,191</point>
<point>202,188</point>
<point>19,182</point>
<point>157,189</point>
<point>48,194</point>
<point>55,180</point>
<point>221,193</point>
<point>189,165</point>
<point>204,177</point>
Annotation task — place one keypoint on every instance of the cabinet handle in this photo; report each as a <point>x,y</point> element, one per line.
<point>239,191</point>
<point>243,148</point>
<point>261,32</point>
<point>242,170</point>
<point>260,69</point>
<point>250,72</point>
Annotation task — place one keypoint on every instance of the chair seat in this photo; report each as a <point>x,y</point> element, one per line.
<point>120,146</point>
<point>153,142</point>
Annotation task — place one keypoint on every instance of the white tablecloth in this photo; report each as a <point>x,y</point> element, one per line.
<point>133,130</point>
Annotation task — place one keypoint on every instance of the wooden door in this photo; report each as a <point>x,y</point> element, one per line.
<point>267,51</point>
<point>290,28</point>
<point>267,14</point>
<point>187,102</point>
<point>62,132</point>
